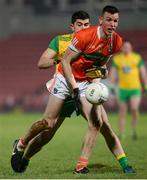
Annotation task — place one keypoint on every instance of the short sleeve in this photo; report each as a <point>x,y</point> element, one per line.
<point>141,62</point>
<point>54,44</point>
<point>77,42</point>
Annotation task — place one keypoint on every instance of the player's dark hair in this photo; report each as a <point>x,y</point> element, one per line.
<point>79,15</point>
<point>110,9</point>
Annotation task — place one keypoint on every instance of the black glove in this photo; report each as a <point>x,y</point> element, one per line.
<point>76,96</point>
<point>56,61</point>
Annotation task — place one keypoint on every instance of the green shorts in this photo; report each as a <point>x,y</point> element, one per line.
<point>124,95</point>
<point>68,107</point>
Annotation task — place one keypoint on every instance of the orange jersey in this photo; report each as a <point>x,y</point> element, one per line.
<point>89,41</point>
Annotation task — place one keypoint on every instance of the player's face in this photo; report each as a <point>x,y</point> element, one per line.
<point>126,48</point>
<point>80,24</point>
<point>109,22</point>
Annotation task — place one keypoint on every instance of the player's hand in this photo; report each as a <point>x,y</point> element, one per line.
<point>76,96</point>
<point>97,72</point>
<point>56,61</point>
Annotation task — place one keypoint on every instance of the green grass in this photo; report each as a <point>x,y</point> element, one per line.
<point>58,158</point>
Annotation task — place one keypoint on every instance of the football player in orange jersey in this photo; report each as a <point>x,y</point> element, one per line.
<point>89,48</point>
<point>105,42</point>
<point>50,57</point>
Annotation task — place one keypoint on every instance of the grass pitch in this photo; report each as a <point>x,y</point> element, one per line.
<point>58,158</point>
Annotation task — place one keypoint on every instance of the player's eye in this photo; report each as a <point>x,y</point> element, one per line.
<point>86,24</point>
<point>109,19</point>
<point>79,24</point>
<point>116,20</point>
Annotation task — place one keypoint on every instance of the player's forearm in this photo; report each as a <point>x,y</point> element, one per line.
<point>45,63</point>
<point>68,73</point>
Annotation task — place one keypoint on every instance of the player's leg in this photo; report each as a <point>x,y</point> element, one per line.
<point>36,144</point>
<point>45,136</point>
<point>122,110</point>
<point>19,145</point>
<point>50,118</point>
<point>40,126</point>
<point>109,135</point>
<point>94,124</point>
<point>35,129</point>
<point>134,107</point>
<point>114,143</point>
<point>59,92</point>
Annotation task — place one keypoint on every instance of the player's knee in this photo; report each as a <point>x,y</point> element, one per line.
<point>134,109</point>
<point>50,122</point>
<point>44,122</point>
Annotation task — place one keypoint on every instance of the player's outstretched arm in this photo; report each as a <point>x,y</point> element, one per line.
<point>47,59</point>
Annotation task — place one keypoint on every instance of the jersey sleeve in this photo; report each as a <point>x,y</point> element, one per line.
<point>78,42</point>
<point>117,43</point>
<point>141,62</point>
<point>54,44</point>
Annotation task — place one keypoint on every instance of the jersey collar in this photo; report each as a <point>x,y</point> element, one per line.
<point>99,32</point>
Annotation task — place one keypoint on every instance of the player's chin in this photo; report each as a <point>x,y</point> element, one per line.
<point>109,32</point>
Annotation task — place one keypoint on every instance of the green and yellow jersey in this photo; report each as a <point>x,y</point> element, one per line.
<point>128,70</point>
<point>60,43</point>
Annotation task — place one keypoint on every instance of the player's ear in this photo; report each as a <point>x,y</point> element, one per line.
<point>100,20</point>
<point>72,27</point>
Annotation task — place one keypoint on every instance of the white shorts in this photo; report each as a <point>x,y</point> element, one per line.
<point>59,87</point>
